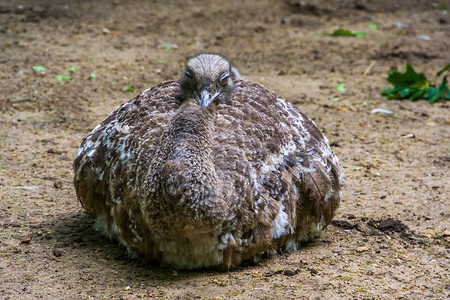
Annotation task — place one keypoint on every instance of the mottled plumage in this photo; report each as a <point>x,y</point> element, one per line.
<point>208,171</point>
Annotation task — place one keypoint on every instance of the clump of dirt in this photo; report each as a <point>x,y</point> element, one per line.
<point>390,238</point>
<point>388,224</point>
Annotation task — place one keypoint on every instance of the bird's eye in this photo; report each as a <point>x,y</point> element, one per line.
<point>189,74</point>
<point>224,77</point>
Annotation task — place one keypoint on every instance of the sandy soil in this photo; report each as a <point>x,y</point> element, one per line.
<point>390,239</point>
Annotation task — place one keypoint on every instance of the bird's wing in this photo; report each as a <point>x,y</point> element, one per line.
<point>105,166</point>
<point>272,156</point>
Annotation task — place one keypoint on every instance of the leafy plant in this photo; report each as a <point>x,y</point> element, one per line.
<point>39,68</point>
<point>411,85</point>
<point>341,88</point>
<point>128,88</point>
<point>63,78</point>
<point>345,32</point>
<point>71,69</point>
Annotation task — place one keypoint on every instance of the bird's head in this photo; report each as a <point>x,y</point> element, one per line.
<point>207,79</point>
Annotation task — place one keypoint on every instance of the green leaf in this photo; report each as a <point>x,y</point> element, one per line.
<point>161,61</point>
<point>442,70</point>
<point>417,94</point>
<point>445,91</point>
<point>443,7</point>
<point>342,32</point>
<point>39,68</point>
<point>404,93</point>
<point>168,46</point>
<point>407,78</point>
<point>442,92</point>
<point>420,85</point>
<point>345,32</point>
<point>63,78</point>
<point>432,95</point>
<point>430,92</point>
<point>340,88</point>
<point>129,88</point>
<point>71,69</point>
<point>372,26</point>
<point>92,75</point>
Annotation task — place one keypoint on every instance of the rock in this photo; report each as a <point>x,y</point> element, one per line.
<point>290,272</point>
<point>362,249</point>
<point>26,240</point>
<point>57,253</point>
<point>58,184</point>
<point>313,271</point>
<point>54,151</point>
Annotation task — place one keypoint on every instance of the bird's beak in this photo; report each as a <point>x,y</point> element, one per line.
<point>205,97</point>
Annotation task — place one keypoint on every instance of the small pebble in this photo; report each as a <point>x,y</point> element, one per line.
<point>57,184</point>
<point>424,37</point>
<point>26,240</point>
<point>313,271</point>
<point>362,249</point>
<point>290,272</point>
<point>381,111</point>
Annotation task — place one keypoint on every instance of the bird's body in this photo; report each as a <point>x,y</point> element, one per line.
<point>208,171</point>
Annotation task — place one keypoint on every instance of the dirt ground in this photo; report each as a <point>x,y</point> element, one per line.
<point>390,239</point>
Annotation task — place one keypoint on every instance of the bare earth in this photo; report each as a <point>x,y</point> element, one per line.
<point>390,239</point>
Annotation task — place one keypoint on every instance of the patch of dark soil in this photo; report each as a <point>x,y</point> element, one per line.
<point>34,13</point>
<point>407,48</point>
<point>404,55</point>
<point>367,226</point>
<point>388,224</point>
<point>302,7</point>
<point>343,224</point>
<point>337,8</point>
<point>286,272</point>
<point>442,161</point>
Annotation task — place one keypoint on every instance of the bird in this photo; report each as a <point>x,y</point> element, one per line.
<point>208,171</point>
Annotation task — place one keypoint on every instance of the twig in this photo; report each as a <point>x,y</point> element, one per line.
<point>369,68</point>
<point>28,98</point>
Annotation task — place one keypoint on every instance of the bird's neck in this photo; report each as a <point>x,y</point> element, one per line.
<point>191,130</point>
<point>188,177</point>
